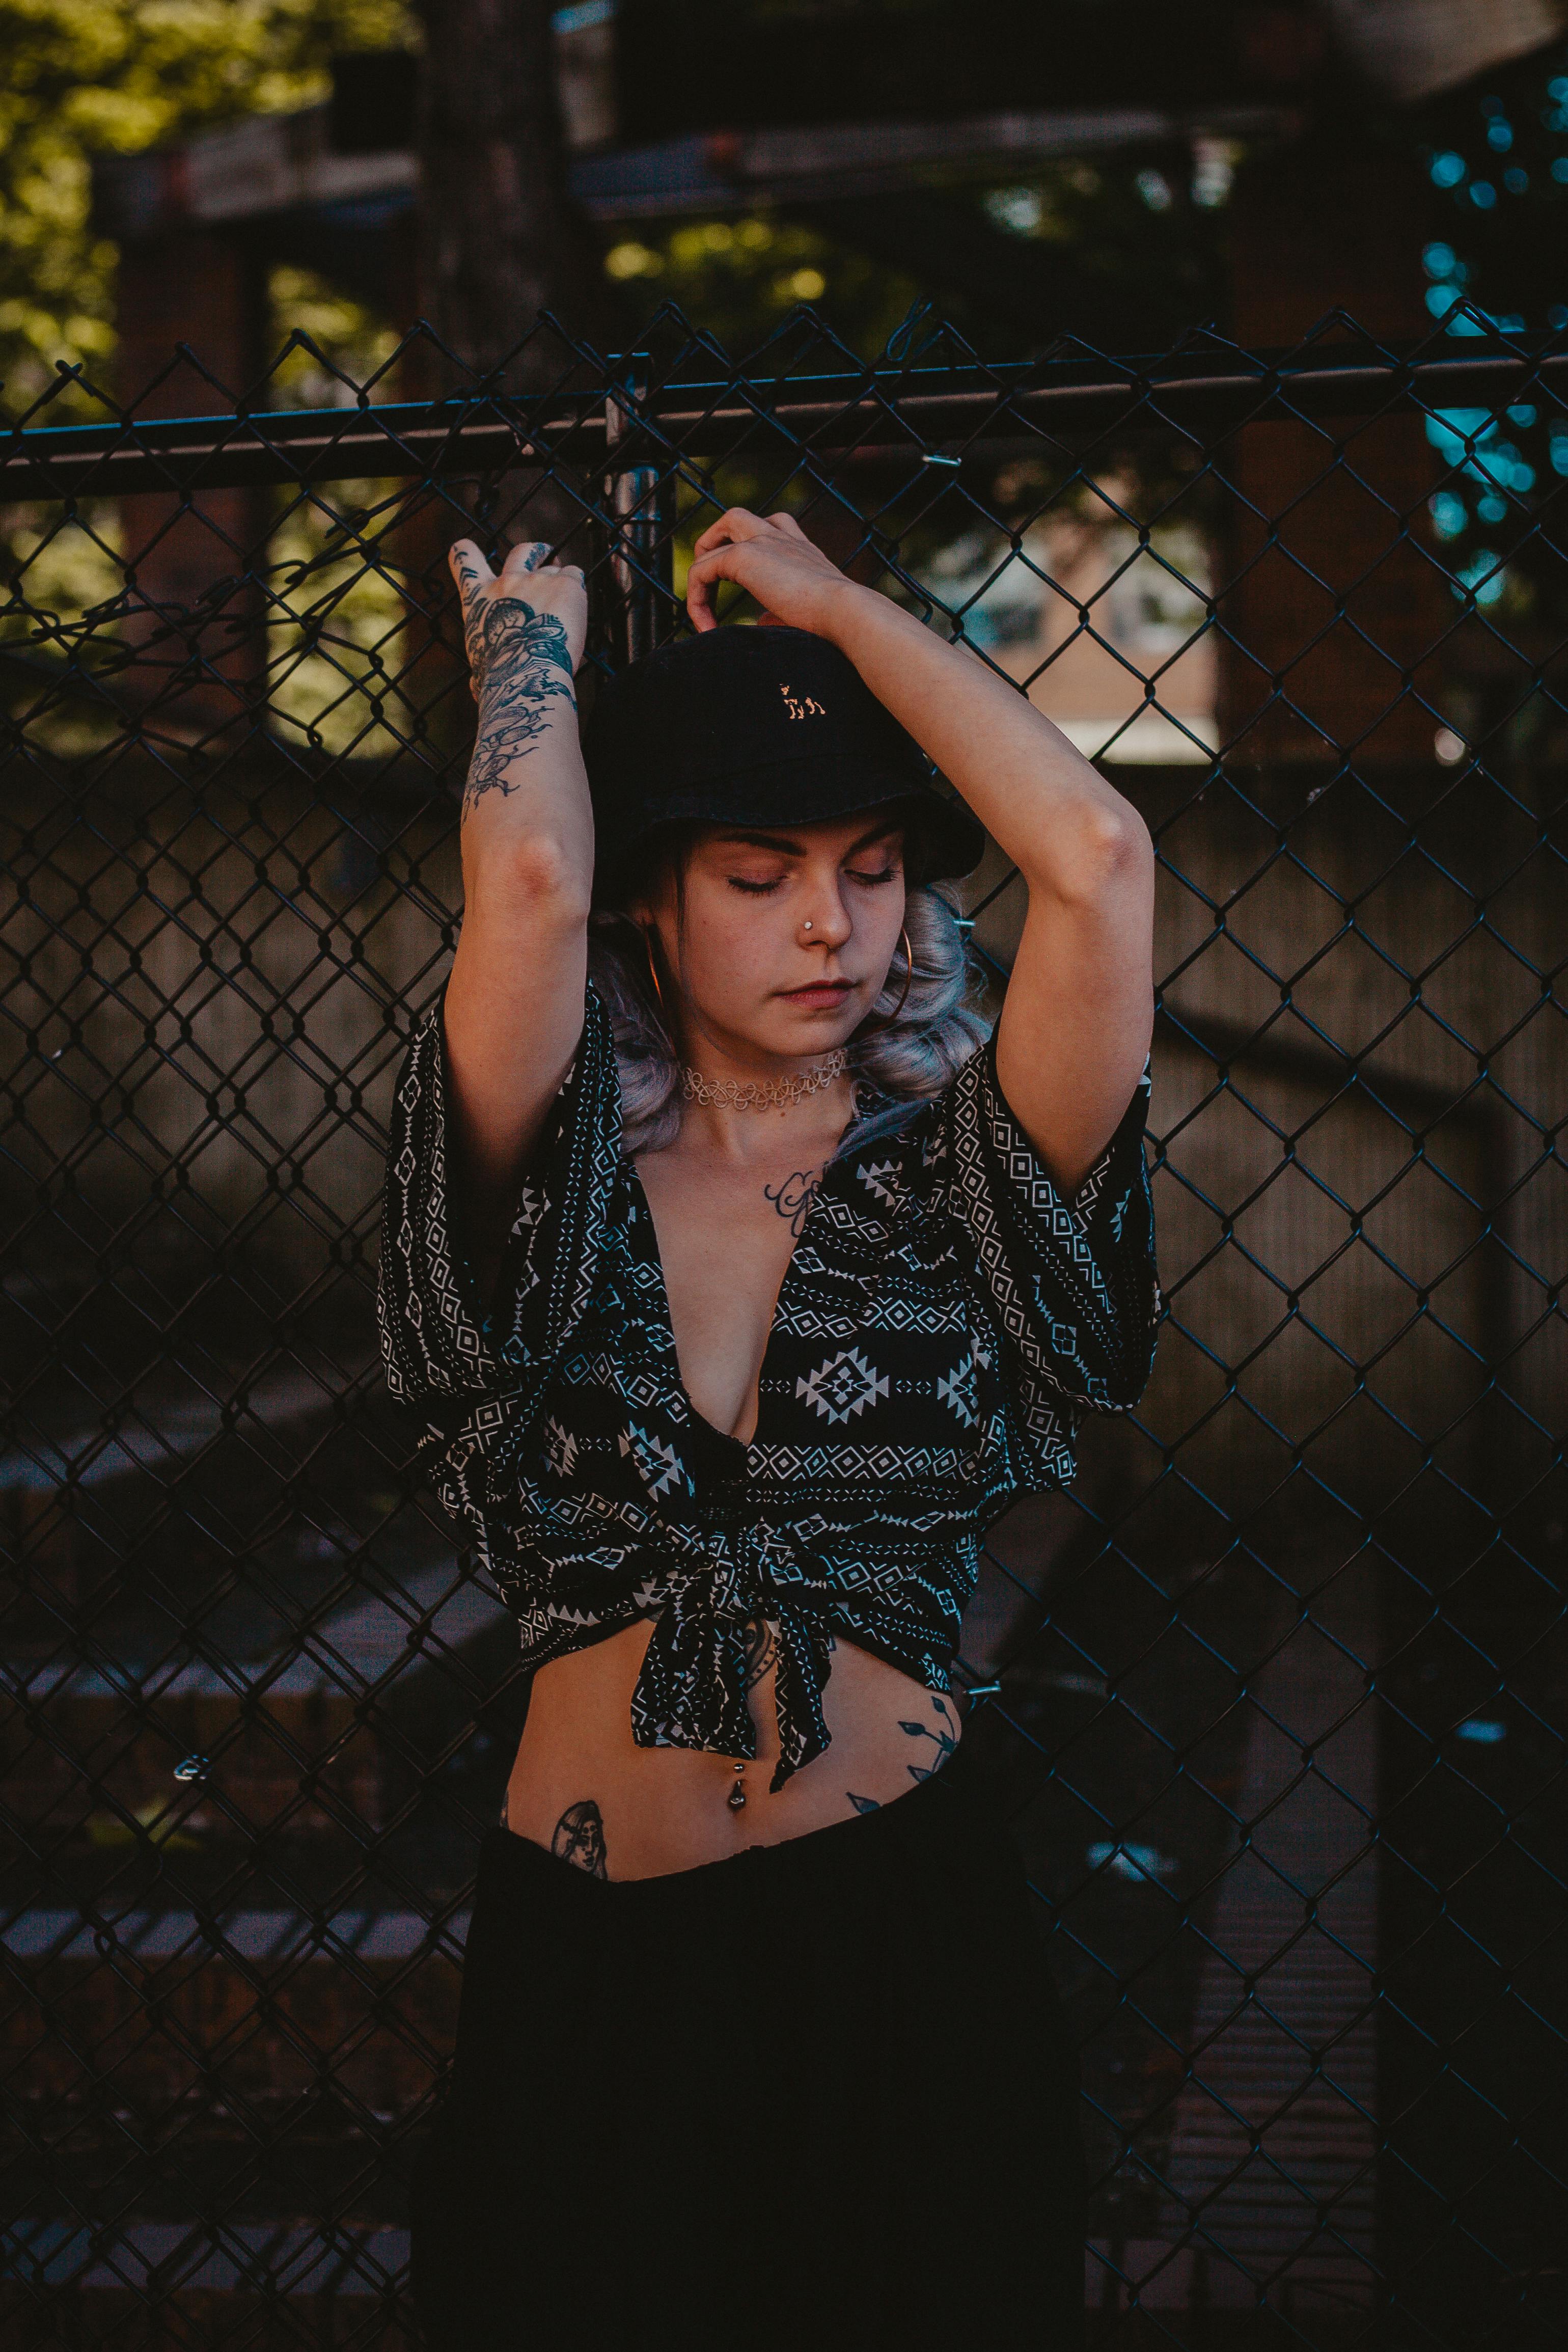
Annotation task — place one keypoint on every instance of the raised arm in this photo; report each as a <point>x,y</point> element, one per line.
<point>1075,1028</point>
<point>514,1001</point>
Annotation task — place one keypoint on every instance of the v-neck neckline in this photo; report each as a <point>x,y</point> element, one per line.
<point>656,1258</point>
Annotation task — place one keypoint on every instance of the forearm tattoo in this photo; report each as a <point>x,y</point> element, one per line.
<point>793,1198</point>
<point>521,661</point>
<point>579,1839</point>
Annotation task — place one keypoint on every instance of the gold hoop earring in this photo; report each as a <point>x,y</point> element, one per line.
<point>908,974</point>
<point>875,1028</point>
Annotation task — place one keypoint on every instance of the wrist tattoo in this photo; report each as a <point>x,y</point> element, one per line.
<point>793,1198</point>
<point>521,663</point>
<point>578,1838</point>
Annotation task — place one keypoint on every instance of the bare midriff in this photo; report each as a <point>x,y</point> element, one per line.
<point>582,1788</point>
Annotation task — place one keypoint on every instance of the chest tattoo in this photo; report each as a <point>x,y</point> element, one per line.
<point>793,1197</point>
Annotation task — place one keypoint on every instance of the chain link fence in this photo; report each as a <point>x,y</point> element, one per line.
<point>1273,1698</point>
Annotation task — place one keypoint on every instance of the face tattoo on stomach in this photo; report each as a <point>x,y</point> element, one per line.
<point>578,1838</point>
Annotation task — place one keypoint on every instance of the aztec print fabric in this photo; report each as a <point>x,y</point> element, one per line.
<point>946,1321</point>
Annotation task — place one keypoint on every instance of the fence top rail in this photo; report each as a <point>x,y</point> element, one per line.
<point>887,413</point>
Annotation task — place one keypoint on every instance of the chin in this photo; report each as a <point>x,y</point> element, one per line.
<point>805,1031</point>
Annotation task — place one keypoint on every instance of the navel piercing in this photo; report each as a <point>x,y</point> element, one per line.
<point>737,1797</point>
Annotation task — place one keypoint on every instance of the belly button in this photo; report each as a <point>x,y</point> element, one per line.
<point>737,1797</point>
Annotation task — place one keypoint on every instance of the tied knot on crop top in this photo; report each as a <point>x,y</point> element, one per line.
<point>945,1321</point>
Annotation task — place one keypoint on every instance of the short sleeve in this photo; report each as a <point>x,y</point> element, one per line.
<point>1073,1279</point>
<point>437,1340</point>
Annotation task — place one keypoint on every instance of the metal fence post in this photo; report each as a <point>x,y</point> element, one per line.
<point>637,501</point>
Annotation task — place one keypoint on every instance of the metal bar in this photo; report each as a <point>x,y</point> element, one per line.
<point>889,413</point>
<point>636,499</point>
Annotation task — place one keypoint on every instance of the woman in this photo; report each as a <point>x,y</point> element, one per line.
<point>738,1308</point>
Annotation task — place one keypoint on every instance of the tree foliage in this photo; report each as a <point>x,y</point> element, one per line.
<point>121,76</point>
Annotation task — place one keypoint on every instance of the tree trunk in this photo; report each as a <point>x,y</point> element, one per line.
<point>500,239</point>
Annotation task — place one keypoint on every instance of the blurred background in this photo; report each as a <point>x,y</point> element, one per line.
<point>1283,1678</point>
<point>246,177</point>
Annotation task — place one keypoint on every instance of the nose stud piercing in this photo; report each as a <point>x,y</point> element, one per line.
<point>805,926</point>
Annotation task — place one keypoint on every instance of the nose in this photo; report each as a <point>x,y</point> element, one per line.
<point>826,922</point>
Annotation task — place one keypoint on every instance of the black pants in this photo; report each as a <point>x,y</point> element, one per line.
<point>819,2095</point>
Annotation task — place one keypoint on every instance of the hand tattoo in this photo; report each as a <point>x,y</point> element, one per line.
<point>520,661</point>
<point>580,1839</point>
<point>759,1650</point>
<point>793,1198</point>
<point>946,1736</point>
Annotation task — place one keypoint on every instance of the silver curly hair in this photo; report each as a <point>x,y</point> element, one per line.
<point>911,1057</point>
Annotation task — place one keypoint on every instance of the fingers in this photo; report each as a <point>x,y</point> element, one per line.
<point>527,559</point>
<point>738,523</point>
<point>699,603</point>
<point>469,568</point>
<point>705,569</point>
<point>735,523</point>
<point>723,558</point>
<point>529,555</point>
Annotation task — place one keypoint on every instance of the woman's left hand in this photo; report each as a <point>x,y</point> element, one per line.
<point>1074,1031</point>
<point>771,557</point>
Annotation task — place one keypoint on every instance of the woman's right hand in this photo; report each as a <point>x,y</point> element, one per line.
<point>498,606</point>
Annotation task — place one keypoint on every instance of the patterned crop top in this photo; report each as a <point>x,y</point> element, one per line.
<point>945,1321</point>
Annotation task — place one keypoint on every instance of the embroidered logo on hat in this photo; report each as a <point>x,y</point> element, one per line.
<point>802,707</point>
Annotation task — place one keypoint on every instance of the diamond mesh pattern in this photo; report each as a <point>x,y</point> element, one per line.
<point>1273,1698</point>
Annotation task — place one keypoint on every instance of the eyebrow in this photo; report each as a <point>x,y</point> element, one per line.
<point>784,847</point>
<point>762,841</point>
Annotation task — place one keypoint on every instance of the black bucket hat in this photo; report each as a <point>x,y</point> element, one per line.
<point>757,726</point>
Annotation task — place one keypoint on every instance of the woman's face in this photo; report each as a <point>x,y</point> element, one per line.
<point>782,939</point>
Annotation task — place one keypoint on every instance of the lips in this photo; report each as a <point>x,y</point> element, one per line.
<point>822,992</point>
